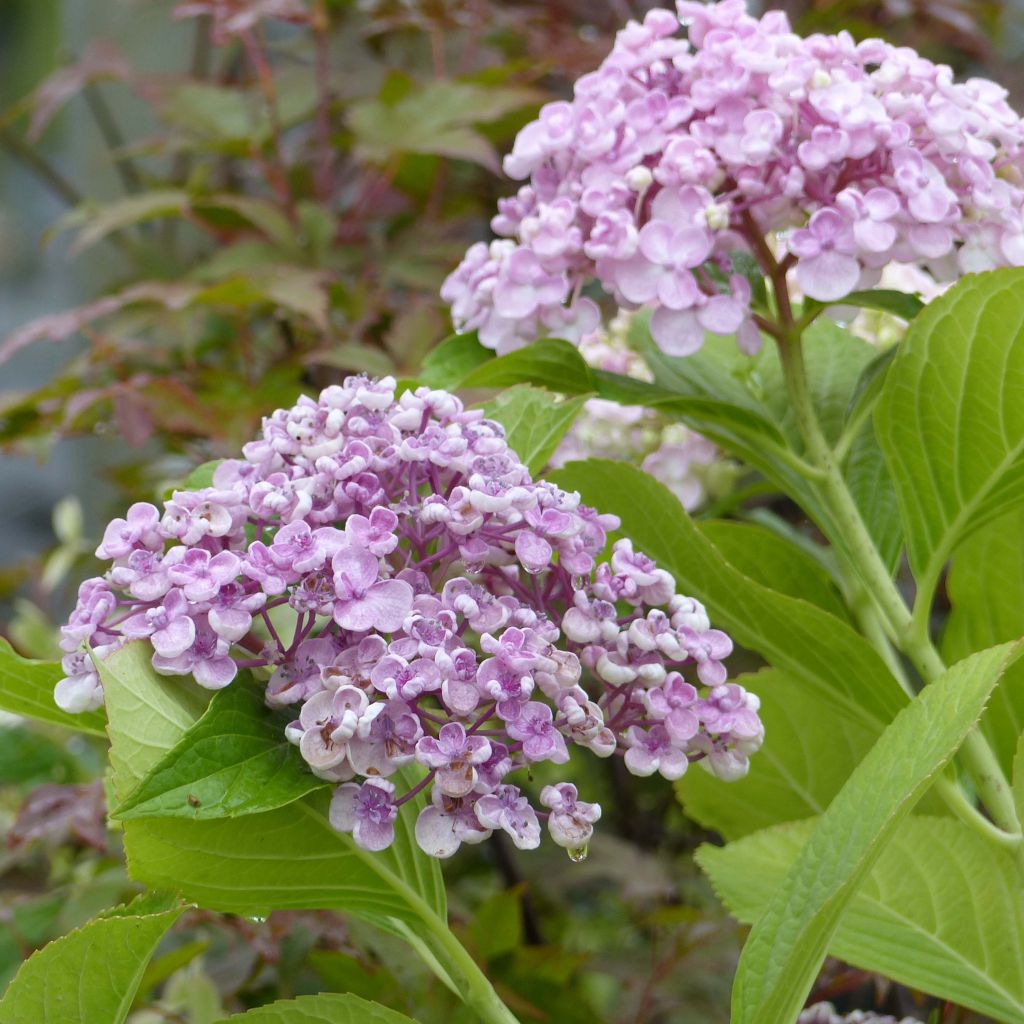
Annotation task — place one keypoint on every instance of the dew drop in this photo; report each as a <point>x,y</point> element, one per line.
<point>579,854</point>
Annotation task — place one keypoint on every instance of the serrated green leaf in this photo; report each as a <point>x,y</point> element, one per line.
<point>905,305</point>
<point>90,976</point>
<point>201,476</point>
<point>447,365</point>
<point>985,586</point>
<point>235,760</point>
<point>949,419</point>
<point>534,422</point>
<point>814,647</point>
<point>321,1009</point>
<point>550,363</point>
<point>101,221</point>
<point>288,858</point>
<point>742,404</point>
<point>790,940</point>
<point>940,911</point>
<point>146,712</point>
<point>771,559</point>
<point>810,751</point>
<point>26,688</point>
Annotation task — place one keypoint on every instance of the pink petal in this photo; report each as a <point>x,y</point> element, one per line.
<point>342,813</point>
<point>176,638</point>
<point>358,566</point>
<point>721,314</point>
<point>828,276</point>
<point>435,833</point>
<point>390,601</point>
<point>215,673</point>
<point>677,333</point>
<point>656,242</point>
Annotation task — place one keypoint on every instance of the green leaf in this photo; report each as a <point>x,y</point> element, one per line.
<point>450,362</point>
<point>497,926</point>
<point>146,712</point>
<point>534,422</point>
<point>235,760</point>
<point>949,419</point>
<point>816,648</point>
<point>551,363</point>
<point>788,943</point>
<point>201,476</point>
<point>26,688</point>
<point>99,222</point>
<point>905,305</point>
<point>810,751</point>
<point>261,213</point>
<point>940,911</point>
<point>771,559</point>
<point>741,403</point>
<point>288,858</point>
<point>90,976</point>
<point>321,1009</point>
<point>991,562</point>
<point>435,118</point>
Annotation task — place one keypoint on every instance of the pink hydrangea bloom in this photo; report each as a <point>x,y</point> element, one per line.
<point>373,575</point>
<point>683,150</point>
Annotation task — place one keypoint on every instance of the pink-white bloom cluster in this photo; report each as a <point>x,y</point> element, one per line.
<point>689,465</point>
<point>392,571</point>
<point>678,153</point>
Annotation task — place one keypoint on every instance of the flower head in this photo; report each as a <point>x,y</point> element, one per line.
<point>373,575</point>
<point>681,157</point>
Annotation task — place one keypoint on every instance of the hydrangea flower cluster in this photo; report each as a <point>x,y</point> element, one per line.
<point>678,153</point>
<point>395,575</point>
<point>689,465</point>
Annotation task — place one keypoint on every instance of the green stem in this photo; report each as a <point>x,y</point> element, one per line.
<point>865,560</point>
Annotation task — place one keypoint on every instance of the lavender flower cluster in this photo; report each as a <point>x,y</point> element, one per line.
<point>678,153</point>
<point>394,574</point>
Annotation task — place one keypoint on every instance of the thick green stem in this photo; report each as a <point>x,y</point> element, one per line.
<point>863,556</point>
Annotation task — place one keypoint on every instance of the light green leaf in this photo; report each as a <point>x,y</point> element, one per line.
<point>90,976</point>
<point>985,586</point>
<point>815,648</point>
<point>98,222</point>
<point>747,411</point>
<point>810,751</point>
<point>534,421</point>
<point>1018,777</point>
<point>941,910</point>
<point>550,363</point>
<point>201,476</point>
<point>886,300</point>
<point>146,712</point>
<point>261,213</point>
<point>213,112</point>
<point>235,760</point>
<point>949,418</point>
<point>771,559</point>
<point>321,1009</point>
<point>435,118</point>
<point>449,363</point>
<point>288,858</point>
<point>26,688</point>
<point>788,943</point>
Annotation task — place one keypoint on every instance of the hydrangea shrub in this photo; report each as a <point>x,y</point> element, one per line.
<point>434,628</point>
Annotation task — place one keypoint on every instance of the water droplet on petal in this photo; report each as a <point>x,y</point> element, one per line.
<point>579,854</point>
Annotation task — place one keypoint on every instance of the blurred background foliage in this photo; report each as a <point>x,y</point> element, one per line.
<point>207,208</point>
